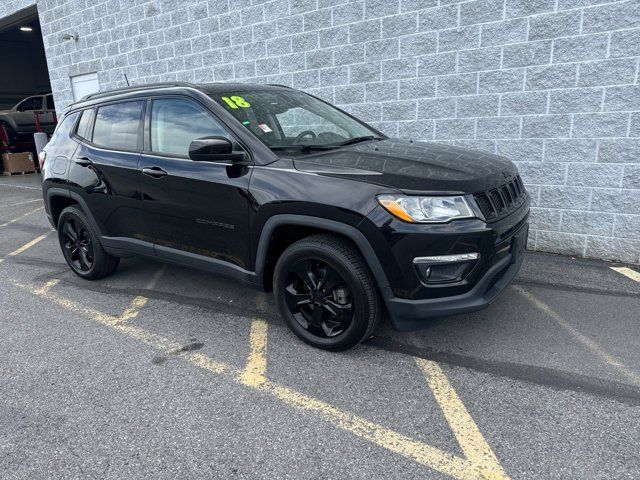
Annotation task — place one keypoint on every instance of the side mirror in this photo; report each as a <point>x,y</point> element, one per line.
<point>213,149</point>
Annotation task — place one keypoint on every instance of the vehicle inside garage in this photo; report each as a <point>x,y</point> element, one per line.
<point>26,103</point>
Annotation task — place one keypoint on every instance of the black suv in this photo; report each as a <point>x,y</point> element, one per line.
<point>283,191</point>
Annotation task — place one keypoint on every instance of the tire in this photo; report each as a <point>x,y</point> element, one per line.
<point>12,136</point>
<point>98,263</point>
<point>308,311</point>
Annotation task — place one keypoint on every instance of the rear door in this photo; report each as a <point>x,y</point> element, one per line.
<point>104,170</point>
<point>193,207</point>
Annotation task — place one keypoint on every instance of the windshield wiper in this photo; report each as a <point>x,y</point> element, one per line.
<point>303,147</point>
<point>306,147</point>
<point>353,140</point>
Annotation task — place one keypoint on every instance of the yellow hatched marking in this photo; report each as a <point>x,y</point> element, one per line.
<point>24,247</point>
<point>253,374</point>
<point>426,455</point>
<point>628,272</point>
<point>21,217</point>
<point>139,302</point>
<point>253,377</point>
<point>586,341</point>
<point>473,444</point>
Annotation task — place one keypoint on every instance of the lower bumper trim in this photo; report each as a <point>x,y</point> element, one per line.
<point>408,315</point>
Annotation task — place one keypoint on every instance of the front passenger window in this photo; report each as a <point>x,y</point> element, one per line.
<point>175,123</point>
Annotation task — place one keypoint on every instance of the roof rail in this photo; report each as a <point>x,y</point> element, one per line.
<point>134,88</point>
<point>278,85</point>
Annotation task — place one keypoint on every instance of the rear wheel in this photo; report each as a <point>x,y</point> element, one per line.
<point>10,133</point>
<point>326,293</point>
<point>81,247</point>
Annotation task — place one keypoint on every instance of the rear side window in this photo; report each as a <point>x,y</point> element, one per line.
<point>175,123</point>
<point>31,103</point>
<point>117,126</point>
<point>84,125</point>
<point>50,104</point>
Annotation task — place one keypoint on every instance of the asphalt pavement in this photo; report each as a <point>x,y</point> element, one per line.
<point>163,372</point>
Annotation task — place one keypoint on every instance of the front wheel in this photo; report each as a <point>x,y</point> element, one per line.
<point>325,292</point>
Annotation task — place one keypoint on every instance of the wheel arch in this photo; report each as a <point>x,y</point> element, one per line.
<point>59,198</point>
<point>9,120</point>
<point>303,226</point>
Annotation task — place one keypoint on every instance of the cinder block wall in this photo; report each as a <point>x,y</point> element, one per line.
<point>552,84</point>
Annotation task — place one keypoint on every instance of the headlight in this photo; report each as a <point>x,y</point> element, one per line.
<point>427,209</point>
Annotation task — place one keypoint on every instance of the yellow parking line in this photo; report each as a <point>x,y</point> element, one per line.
<point>628,272</point>
<point>473,444</point>
<point>22,203</point>
<point>420,452</point>
<point>21,217</point>
<point>586,341</point>
<point>24,247</point>
<point>253,374</point>
<point>427,455</point>
<point>19,186</point>
<point>140,301</point>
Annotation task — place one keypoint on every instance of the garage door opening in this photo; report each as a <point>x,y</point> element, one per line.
<point>26,103</point>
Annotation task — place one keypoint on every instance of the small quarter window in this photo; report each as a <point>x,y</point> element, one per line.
<point>175,123</point>
<point>84,125</point>
<point>50,104</point>
<point>117,126</point>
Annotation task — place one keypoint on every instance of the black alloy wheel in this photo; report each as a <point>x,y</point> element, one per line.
<point>81,246</point>
<point>318,298</point>
<point>326,293</point>
<point>78,247</point>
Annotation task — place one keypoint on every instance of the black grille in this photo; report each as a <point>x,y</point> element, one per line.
<point>500,201</point>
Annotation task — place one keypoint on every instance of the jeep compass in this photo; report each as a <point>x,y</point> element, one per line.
<point>282,191</point>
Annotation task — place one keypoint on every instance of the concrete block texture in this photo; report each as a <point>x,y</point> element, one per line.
<point>551,84</point>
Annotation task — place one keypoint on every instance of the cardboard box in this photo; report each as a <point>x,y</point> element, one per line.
<point>18,163</point>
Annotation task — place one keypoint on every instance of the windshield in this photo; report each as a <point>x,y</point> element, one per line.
<point>292,119</point>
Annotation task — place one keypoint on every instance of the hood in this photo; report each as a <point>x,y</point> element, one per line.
<point>413,166</point>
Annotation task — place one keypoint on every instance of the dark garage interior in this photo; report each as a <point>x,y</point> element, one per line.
<point>23,60</point>
<point>26,104</point>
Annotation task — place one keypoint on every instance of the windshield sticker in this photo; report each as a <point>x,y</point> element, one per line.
<point>236,102</point>
<point>264,127</point>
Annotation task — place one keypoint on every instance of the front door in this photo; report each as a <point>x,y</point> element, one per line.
<point>195,209</point>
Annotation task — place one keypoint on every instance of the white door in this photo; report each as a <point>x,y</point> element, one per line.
<point>84,85</point>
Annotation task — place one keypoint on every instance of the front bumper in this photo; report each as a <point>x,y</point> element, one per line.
<point>501,246</point>
<point>410,314</point>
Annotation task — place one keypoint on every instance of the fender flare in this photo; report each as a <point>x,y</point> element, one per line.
<point>63,192</point>
<point>348,231</point>
<point>8,119</point>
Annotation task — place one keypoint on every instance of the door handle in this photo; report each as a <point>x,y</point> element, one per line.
<point>83,161</point>
<point>155,172</point>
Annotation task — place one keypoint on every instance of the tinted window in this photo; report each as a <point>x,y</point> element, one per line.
<point>31,103</point>
<point>84,124</point>
<point>50,104</point>
<point>117,126</point>
<point>175,123</point>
